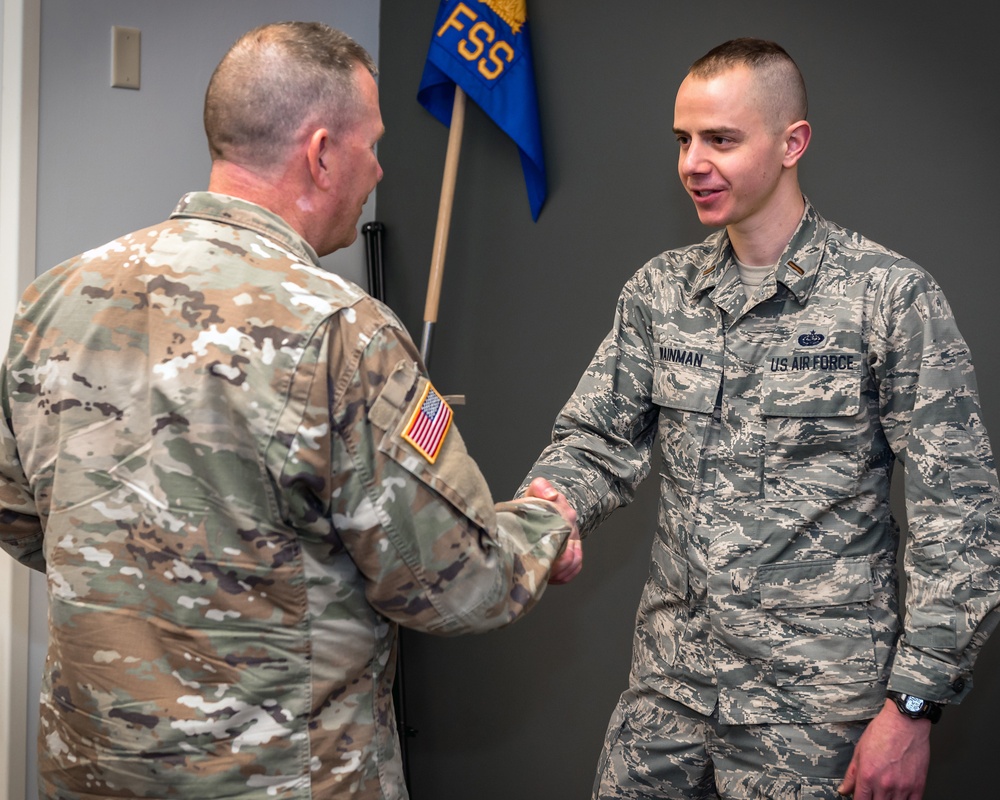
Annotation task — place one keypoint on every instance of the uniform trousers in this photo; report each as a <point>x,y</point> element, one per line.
<point>657,748</point>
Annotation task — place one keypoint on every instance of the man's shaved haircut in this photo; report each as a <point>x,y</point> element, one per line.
<point>781,90</point>
<point>275,79</point>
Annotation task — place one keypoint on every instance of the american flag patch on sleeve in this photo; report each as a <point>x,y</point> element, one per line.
<point>429,424</point>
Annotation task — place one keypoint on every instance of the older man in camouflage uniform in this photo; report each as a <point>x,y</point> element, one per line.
<point>236,474</point>
<point>784,364</point>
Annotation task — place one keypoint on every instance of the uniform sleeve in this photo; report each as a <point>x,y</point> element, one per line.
<point>603,436</point>
<point>414,511</point>
<point>932,419</point>
<point>20,526</point>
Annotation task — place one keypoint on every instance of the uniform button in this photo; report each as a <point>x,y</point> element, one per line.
<point>958,685</point>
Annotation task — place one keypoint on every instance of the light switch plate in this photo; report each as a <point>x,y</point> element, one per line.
<point>125,57</point>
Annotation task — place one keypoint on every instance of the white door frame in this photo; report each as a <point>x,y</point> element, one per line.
<point>18,191</point>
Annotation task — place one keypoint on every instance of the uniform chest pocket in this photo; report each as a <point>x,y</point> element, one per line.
<point>686,396</point>
<point>814,427</point>
<point>686,372</point>
<point>685,388</point>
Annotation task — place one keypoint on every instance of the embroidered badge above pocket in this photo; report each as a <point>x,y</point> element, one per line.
<point>429,424</point>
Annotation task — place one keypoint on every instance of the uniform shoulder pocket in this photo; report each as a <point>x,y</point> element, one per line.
<point>420,438</point>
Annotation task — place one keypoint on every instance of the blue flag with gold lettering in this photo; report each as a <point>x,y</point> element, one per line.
<point>484,48</point>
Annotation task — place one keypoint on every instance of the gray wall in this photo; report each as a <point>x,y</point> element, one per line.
<point>114,160</point>
<point>905,109</point>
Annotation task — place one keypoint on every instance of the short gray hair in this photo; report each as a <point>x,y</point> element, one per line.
<point>274,79</point>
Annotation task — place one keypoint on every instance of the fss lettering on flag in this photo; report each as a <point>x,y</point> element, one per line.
<point>484,46</point>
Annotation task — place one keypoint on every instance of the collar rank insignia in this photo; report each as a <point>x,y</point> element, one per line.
<point>429,424</point>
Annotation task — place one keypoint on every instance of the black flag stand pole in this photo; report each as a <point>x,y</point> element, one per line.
<point>443,222</point>
<point>374,232</point>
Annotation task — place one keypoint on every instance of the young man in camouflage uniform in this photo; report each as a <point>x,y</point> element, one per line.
<point>236,474</point>
<point>784,363</point>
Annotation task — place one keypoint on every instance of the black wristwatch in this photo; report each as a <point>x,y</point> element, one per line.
<point>915,707</point>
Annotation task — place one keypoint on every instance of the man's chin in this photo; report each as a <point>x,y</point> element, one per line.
<point>711,220</point>
<point>712,217</point>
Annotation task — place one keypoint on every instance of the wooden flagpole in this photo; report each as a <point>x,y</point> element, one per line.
<point>443,222</point>
<point>430,317</point>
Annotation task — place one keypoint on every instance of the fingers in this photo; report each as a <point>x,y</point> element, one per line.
<point>544,490</point>
<point>541,488</point>
<point>569,562</point>
<point>846,787</point>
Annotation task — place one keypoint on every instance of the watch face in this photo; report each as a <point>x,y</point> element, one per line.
<point>914,704</point>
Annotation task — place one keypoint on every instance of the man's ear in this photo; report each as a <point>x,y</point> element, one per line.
<point>320,157</point>
<point>797,138</point>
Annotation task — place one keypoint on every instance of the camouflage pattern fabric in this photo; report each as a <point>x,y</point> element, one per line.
<point>772,591</point>
<point>658,749</point>
<point>202,444</point>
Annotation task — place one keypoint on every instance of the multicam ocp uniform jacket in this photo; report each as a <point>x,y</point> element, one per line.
<point>772,591</point>
<point>223,458</point>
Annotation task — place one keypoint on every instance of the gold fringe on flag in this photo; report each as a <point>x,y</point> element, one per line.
<point>513,12</point>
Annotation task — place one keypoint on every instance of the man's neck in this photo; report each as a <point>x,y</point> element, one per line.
<point>760,241</point>
<point>267,191</point>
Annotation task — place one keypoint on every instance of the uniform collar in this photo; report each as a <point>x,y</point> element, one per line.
<point>797,268</point>
<point>244,214</point>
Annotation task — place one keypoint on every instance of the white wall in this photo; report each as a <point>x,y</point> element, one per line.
<point>18,142</point>
<point>112,160</point>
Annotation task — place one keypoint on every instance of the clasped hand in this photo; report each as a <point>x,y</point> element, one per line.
<point>569,562</point>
